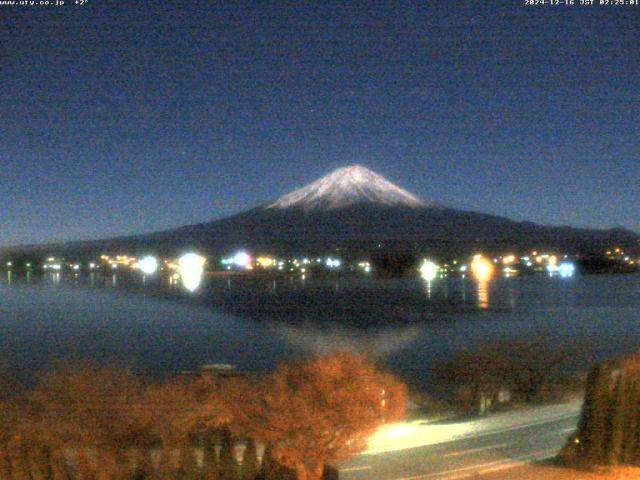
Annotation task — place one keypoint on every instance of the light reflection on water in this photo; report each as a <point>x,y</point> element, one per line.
<point>380,343</point>
<point>483,295</point>
<point>429,289</point>
<point>46,318</point>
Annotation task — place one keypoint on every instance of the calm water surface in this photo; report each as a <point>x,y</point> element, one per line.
<point>254,324</point>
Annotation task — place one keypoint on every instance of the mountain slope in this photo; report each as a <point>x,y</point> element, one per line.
<point>366,227</point>
<point>345,187</point>
<point>355,210</point>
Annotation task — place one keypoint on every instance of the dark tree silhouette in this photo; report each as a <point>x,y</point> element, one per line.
<point>524,368</point>
<point>250,465</point>
<point>609,429</point>
<point>209,455</point>
<point>229,469</point>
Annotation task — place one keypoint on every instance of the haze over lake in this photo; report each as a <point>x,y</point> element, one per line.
<point>255,323</point>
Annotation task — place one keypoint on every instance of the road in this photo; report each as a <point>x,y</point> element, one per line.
<point>481,452</point>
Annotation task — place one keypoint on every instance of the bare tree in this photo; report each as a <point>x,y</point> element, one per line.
<point>523,368</point>
<point>318,411</point>
<point>175,411</point>
<point>93,412</point>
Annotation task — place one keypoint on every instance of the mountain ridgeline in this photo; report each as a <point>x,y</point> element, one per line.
<point>355,211</point>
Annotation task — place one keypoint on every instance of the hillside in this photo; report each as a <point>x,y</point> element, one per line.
<point>354,210</point>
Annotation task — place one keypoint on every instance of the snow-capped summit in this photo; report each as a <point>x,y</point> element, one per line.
<point>347,186</point>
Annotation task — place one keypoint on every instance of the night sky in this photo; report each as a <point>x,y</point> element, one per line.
<point>127,117</point>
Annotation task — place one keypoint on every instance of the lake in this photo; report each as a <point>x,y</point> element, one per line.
<point>254,323</point>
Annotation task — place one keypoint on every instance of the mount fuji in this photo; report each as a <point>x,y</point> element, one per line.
<point>345,187</point>
<point>356,211</point>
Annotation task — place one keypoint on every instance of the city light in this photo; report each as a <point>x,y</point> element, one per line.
<point>366,266</point>
<point>509,272</point>
<point>241,259</point>
<point>333,262</point>
<point>123,260</point>
<point>567,269</point>
<point>482,268</point>
<point>191,267</point>
<point>266,262</point>
<point>509,259</point>
<point>429,270</point>
<point>148,265</point>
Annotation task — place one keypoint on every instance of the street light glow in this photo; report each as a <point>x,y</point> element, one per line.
<point>482,268</point>
<point>266,262</point>
<point>333,262</point>
<point>567,269</point>
<point>241,259</point>
<point>191,268</point>
<point>429,270</point>
<point>148,265</point>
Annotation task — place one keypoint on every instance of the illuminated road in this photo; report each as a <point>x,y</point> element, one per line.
<point>477,454</point>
